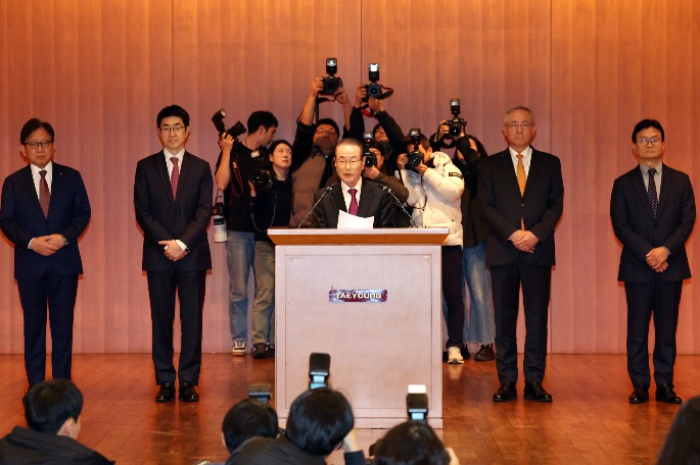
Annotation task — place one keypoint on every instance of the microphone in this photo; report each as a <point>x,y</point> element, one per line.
<point>329,189</point>
<point>389,191</point>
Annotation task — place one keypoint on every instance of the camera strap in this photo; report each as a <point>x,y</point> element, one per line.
<point>386,93</point>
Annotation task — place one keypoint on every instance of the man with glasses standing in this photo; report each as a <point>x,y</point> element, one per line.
<point>172,199</point>
<point>653,212</point>
<point>354,194</point>
<point>522,193</point>
<point>45,209</point>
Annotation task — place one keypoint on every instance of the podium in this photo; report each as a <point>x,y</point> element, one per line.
<point>372,300</point>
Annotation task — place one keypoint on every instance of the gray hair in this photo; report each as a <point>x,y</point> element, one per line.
<point>516,108</point>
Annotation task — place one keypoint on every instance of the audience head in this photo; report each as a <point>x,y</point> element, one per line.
<point>682,444</point>
<point>411,443</point>
<point>326,135</point>
<point>54,407</point>
<point>319,420</point>
<point>248,418</point>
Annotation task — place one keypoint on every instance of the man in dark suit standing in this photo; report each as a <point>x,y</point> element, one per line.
<point>172,198</point>
<point>522,192</point>
<point>45,209</point>
<point>355,195</point>
<point>653,211</point>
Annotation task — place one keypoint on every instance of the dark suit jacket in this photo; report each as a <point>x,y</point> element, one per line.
<point>540,207</point>
<point>638,230</point>
<point>185,218</point>
<point>21,219</point>
<point>373,202</point>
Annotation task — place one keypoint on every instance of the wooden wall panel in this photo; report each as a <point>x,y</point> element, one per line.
<point>101,70</point>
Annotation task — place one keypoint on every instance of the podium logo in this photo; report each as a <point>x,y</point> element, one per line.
<point>357,295</point>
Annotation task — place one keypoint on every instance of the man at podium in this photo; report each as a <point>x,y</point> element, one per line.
<point>354,194</point>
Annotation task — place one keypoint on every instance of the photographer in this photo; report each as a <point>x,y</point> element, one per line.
<point>314,146</point>
<point>413,443</point>
<point>236,163</point>
<point>269,207</point>
<point>435,187</point>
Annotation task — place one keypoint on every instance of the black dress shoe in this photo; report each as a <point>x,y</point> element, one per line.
<point>465,352</point>
<point>485,354</point>
<point>665,394</point>
<point>640,395</point>
<point>535,391</point>
<point>506,392</point>
<point>166,393</point>
<point>187,393</point>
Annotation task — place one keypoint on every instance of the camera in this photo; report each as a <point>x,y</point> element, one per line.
<point>417,403</point>
<point>331,83</point>
<point>261,177</point>
<point>219,222</point>
<point>370,157</point>
<point>415,158</point>
<point>234,131</point>
<point>260,392</point>
<point>457,123</point>
<point>319,370</point>
<point>373,89</point>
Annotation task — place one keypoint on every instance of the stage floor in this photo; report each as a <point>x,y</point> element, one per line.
<point>589,422</point>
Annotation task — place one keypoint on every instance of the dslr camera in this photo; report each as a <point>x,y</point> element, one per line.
<point>234,131</point>
<point>457,123</point>
<point>415,158</point>
<point>370,157</point>
<point>331,83</point>
<point>373,89</point>
<point>261,177</point>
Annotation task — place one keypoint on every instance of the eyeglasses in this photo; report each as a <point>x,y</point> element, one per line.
<point>35,145</point>
<point>645,141</point>
<point>176,129</point>
<point>514,125</point>
<point>326,132</point>
<point>351,162</point>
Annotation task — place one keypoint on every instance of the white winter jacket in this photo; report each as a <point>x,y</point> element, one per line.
<point>436,197</point>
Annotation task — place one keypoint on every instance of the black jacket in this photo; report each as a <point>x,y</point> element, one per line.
<point>27,447</point>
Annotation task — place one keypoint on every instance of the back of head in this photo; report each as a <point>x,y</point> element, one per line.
<point>261,118</point>
<point>319,420</point>
<point>682,444</point>
<point>411,443</point>
<point>49,404</point>
<point>248,418</point>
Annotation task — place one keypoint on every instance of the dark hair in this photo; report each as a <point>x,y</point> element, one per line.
<point>353,143</point>
<point>682,445</point>
<point>411,443</point>
<point>479,146</point>
<point>31,126</point>
<point>319,420</point>
<point>376,128</point>
<point>261,118</point>
<point>647,123</point>
<point>173,110</point>
<point>50,403</point>
<point>330,122</point>
<point>274,145</point>
<point>249,418</point>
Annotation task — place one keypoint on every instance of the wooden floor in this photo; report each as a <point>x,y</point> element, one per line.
<point>589,422</point>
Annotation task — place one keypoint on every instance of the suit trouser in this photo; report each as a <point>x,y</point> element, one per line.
<point>536,284</point>
<point>60,292</point>
<point>452,292</point>
<point>190,286</point>
<point>661,298</point>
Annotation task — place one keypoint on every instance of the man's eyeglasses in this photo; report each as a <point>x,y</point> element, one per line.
<point>645,141</point>
<point>176,129</point>
<point>514,125</point>
<point>35,145</point>
<point>351,162</point>
<point>326,132</point>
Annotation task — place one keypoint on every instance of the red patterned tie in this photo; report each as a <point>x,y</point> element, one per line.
<point>353,202</point>
<point>175,176</point>
<point>44,193</point>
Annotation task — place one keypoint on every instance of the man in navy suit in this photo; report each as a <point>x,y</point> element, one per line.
<point>653,212</point>
<point>522,192</point>
<point>354,194</point>
<point>172,198</point>
<point>45,209</point>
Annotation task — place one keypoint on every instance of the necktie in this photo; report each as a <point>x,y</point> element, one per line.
<point>522,179</point>
<point>44,193</point>
<point>353,202</point>
<point>175,176</point>
<point>653,199</point>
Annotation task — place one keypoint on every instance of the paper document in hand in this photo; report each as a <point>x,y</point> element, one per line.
<point>348,221</point>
